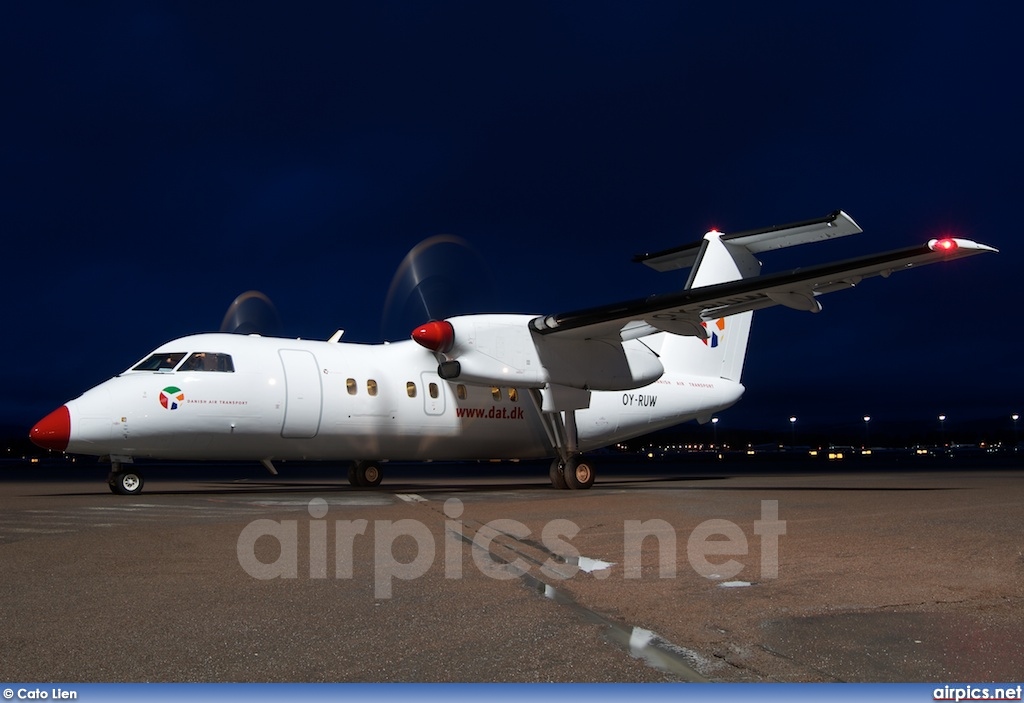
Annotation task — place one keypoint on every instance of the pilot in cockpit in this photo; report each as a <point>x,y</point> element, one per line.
<point>196,362</point>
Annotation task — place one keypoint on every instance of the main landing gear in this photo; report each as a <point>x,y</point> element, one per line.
<point>575,474</point>
<point>125,482</point>
<point>569,469</point>
<point>365,474</point>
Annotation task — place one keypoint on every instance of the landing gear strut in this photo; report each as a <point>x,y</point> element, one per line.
<point>125,482</point>
<point>568,469</point>
<point>365,474</point>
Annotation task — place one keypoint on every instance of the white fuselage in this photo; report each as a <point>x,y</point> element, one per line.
<point>299,399</point>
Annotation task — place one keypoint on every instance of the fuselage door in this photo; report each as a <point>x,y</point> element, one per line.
<point>433,393</point>
<point>303,394</point>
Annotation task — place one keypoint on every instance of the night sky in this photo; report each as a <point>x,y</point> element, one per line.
<point>159,159</point>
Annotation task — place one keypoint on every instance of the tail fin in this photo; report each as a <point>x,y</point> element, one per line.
<point>722,258</point>
<point>722,352</point>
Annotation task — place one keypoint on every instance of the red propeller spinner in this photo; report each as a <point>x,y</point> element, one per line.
<point>436,335</point>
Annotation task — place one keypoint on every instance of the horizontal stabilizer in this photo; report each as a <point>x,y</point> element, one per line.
<point>838,224</point>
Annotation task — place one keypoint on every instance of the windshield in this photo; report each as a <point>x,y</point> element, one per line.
<point>208,361</point>
<point>160,362</point>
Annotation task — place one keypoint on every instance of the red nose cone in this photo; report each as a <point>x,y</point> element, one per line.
<point>53,431</point>
<point>437,335</point>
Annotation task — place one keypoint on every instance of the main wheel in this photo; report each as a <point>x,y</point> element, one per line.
<point>555,473</point>
<point>365,474</point>
<point>372,474</point>
<point>578,473</point>
<point>126,483</point>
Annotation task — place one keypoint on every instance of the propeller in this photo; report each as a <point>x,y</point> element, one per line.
<point>252,313</point>
<point>440,277</point>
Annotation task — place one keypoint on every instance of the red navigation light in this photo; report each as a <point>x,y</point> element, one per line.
<point>436,335</point>
<point>945,245</point>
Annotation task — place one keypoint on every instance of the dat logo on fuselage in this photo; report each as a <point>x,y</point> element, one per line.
<point>171,397</point>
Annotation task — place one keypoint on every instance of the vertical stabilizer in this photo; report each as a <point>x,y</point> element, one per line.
<point>722,258</point>
<point>718,261</point>
<point>722,352</point>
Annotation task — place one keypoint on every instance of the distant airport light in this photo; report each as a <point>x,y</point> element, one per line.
<point>945,245</point>
<point>436,335</point>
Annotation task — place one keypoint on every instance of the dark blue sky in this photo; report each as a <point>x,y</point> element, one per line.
<point>160,158</point>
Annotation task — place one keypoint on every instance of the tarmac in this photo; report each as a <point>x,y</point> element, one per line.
<point>662,571</point>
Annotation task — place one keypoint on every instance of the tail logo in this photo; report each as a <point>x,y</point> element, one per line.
<point>171,397</point>
<point>715,332</point>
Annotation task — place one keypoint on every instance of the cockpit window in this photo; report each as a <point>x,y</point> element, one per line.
<point>160,362</point>
<point>208,361</point>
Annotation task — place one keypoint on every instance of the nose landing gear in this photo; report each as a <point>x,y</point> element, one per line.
<point>125,482</point>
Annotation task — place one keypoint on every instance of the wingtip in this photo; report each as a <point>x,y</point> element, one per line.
<point>961,247</point>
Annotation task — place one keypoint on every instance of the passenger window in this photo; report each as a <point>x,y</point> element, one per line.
<point>410,389</point>
<point>513,395</point>
<point>350,386</point>
<point>371,387</point>
<point>460,391</point>
<point>160,362</point>
<point>496,393</point>
<point>208,361</point>
<point>433,390</point>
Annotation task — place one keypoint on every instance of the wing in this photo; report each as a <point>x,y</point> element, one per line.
<point>599,348</point>
<point>682,312</point>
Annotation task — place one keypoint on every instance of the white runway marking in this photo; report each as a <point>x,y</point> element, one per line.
<point>39,522</point>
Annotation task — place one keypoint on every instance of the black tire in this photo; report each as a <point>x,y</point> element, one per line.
<point>126,483</point>
<point>353,475</point>
<point>366,474</point>
<point>372,474</point>
<point>579,473</point>
<point>555,473</point>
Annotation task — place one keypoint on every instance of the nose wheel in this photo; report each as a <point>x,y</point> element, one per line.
<point>125,482</point>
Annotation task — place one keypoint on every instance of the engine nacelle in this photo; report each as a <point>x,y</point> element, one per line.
<point>501,350</point>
